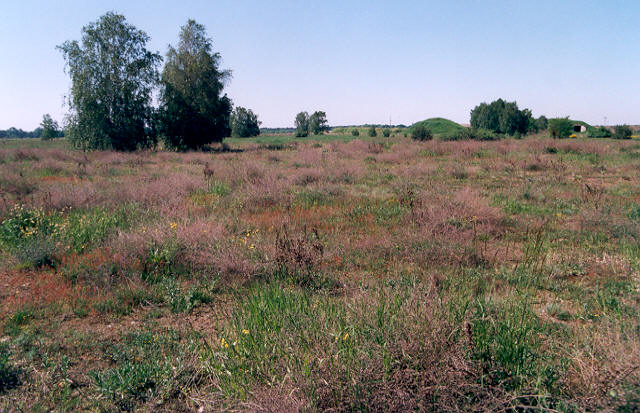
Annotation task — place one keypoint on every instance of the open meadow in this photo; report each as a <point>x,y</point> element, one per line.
<point>321,274</point>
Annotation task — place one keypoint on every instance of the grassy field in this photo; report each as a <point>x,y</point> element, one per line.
<point>377,274</point>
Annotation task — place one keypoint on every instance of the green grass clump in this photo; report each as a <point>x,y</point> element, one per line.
<point>36,237</point>
<point>148,365</point>
<point>14,324</point>
<point>344,356</point>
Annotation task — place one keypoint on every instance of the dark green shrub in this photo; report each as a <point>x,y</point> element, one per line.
<point>560,128</point>
<point>421,133</point>
<point>471,134</point>
<point>600,132</point>
<point>8,374</point>
<point>487,135</point>
<point>355,132</point>
<point>386,133</point>
<point>622,132</point>
<point>372,131</point>
<point>542,123</point>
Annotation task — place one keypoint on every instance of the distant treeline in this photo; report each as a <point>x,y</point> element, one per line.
<point>13,133</point>
<point>276,131</point>
<point>368,125</point>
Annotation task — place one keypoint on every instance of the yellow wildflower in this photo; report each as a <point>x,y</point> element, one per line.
<point>245,331</point>
<point>173,225</point>
<point>224,343</point>
<point>345,336</point>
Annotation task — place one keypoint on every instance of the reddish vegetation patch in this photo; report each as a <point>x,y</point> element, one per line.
<point>34,288</point>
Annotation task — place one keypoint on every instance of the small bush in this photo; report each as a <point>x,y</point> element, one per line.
<point>622,132</point>
<point>8,374</point>
<point>355,132</point>
<point>372,131</point>
<point>471,134</point>
<point>421,133</point>
<point>386,133</point>
<point>299,256</point>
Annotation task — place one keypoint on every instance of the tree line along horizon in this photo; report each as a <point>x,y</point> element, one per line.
<point>114,78</point>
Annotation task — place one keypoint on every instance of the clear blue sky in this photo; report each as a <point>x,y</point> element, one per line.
<point>360,61</point>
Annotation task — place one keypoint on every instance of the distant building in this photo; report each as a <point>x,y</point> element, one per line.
<point>579,128</point>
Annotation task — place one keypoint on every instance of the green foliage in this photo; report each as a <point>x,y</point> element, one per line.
<point>622,132</point>
<point>501,117</point>
<point>84,229</point>
<point>180,300</point>
<point>302,124</point>
<point>420,132</point>
<point>112,79</point>
<point>9,377</point>
<point>372,131</point>
<point>192,111</point>
<point>161,260</point>
<point>27,234</point>
<point>386,132</point>
<point>541,124</point>
<point>50,128</point>
<point>318,123</point>
<point>148,365</point>
<point>600,132</point>
<point>14,324</point>
<point>471,134</point>
<point>560,127</point>
<point>506,342</point>
<point>355,132</point>
<point>34,237</point>
<point>244,123</point>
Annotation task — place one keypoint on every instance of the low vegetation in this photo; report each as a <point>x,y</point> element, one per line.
<point>334,272</point>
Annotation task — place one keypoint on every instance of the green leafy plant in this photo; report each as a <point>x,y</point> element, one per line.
<point>622,132</point>
<point>421,133</point>
<point>600,132</point>
<point>560,127</point>
<point>9,375</point>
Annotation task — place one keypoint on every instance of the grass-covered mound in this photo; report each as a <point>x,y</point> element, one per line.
<point>440,126</point>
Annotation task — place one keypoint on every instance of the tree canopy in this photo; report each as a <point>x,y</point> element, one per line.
<point>193,111</point>
<point>112,79</point>
<point>318,123</point>
<point>501,117</point>
<point>302,124</point>
<point>244,123</point>
<point>50,128</point>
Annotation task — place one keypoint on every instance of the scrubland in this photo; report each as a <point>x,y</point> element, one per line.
<point>321,275</point>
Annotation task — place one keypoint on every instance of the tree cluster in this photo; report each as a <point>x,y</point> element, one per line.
<point>15,133</point>
<point>244,123</point>
<point>506,118</point>
<point>114,78</point>
<point>315,124</point>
